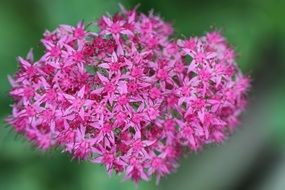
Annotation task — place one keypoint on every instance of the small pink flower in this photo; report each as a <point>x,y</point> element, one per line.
<point>155,93</point>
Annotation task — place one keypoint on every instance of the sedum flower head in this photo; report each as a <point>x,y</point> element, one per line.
<point>128,97</point>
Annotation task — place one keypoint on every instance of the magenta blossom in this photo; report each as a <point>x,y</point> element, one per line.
<point>128,97</point>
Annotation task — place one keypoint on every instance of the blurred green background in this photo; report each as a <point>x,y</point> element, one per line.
<point>253,158</point>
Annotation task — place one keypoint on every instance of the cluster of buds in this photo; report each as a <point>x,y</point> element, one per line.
<point>128,97</point>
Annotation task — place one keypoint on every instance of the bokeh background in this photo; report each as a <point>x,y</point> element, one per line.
<point>253,158</point>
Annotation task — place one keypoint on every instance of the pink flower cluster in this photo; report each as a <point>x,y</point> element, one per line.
<point>128,97</point>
